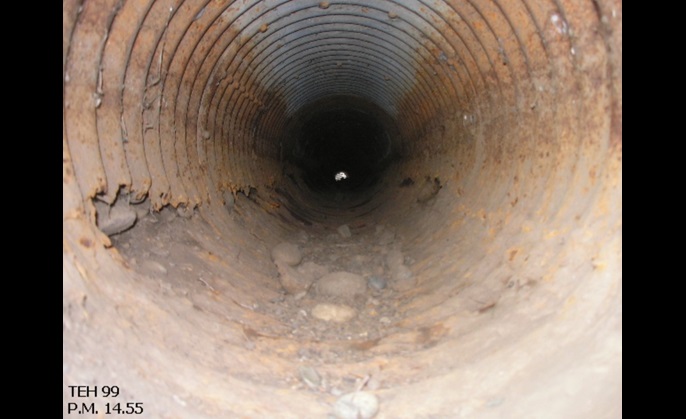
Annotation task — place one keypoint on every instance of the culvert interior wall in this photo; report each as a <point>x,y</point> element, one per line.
<point>490,206</point>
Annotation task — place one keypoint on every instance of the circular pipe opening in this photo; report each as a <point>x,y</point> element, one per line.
<point>468,264</point>
<point>346,142</point>
<point>341,148</point>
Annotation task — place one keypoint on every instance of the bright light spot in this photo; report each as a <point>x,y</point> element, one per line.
<point>340,176</point>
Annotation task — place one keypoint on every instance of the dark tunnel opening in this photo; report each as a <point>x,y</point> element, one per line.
<point>341,141</point>
<point>341,148</point>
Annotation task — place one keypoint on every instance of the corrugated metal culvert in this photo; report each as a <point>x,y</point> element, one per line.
<point>481,147</point>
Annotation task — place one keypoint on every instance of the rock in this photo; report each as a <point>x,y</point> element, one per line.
<point>116,218</point>
<point>344,231</point>
<point>311,271</point>
<point>341,284</point>
<point>376,283</point>
<point>287,253</point>
<point>357,405</point>
<point>338,313</point>
<point>291,280</point>
<point>310,376</point>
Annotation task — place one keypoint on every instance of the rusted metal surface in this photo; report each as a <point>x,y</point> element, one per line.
<point>513,108</point>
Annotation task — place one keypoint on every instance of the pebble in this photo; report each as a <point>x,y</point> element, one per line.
<point>341,284</point>
<point>310,376</point>
<point>376,283</point>
<point>291,280</point>
<point>310,271</point>
<point>344,231</point>
<point>338,313</point>
<point>358,405</point>
<point>287,253</point>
